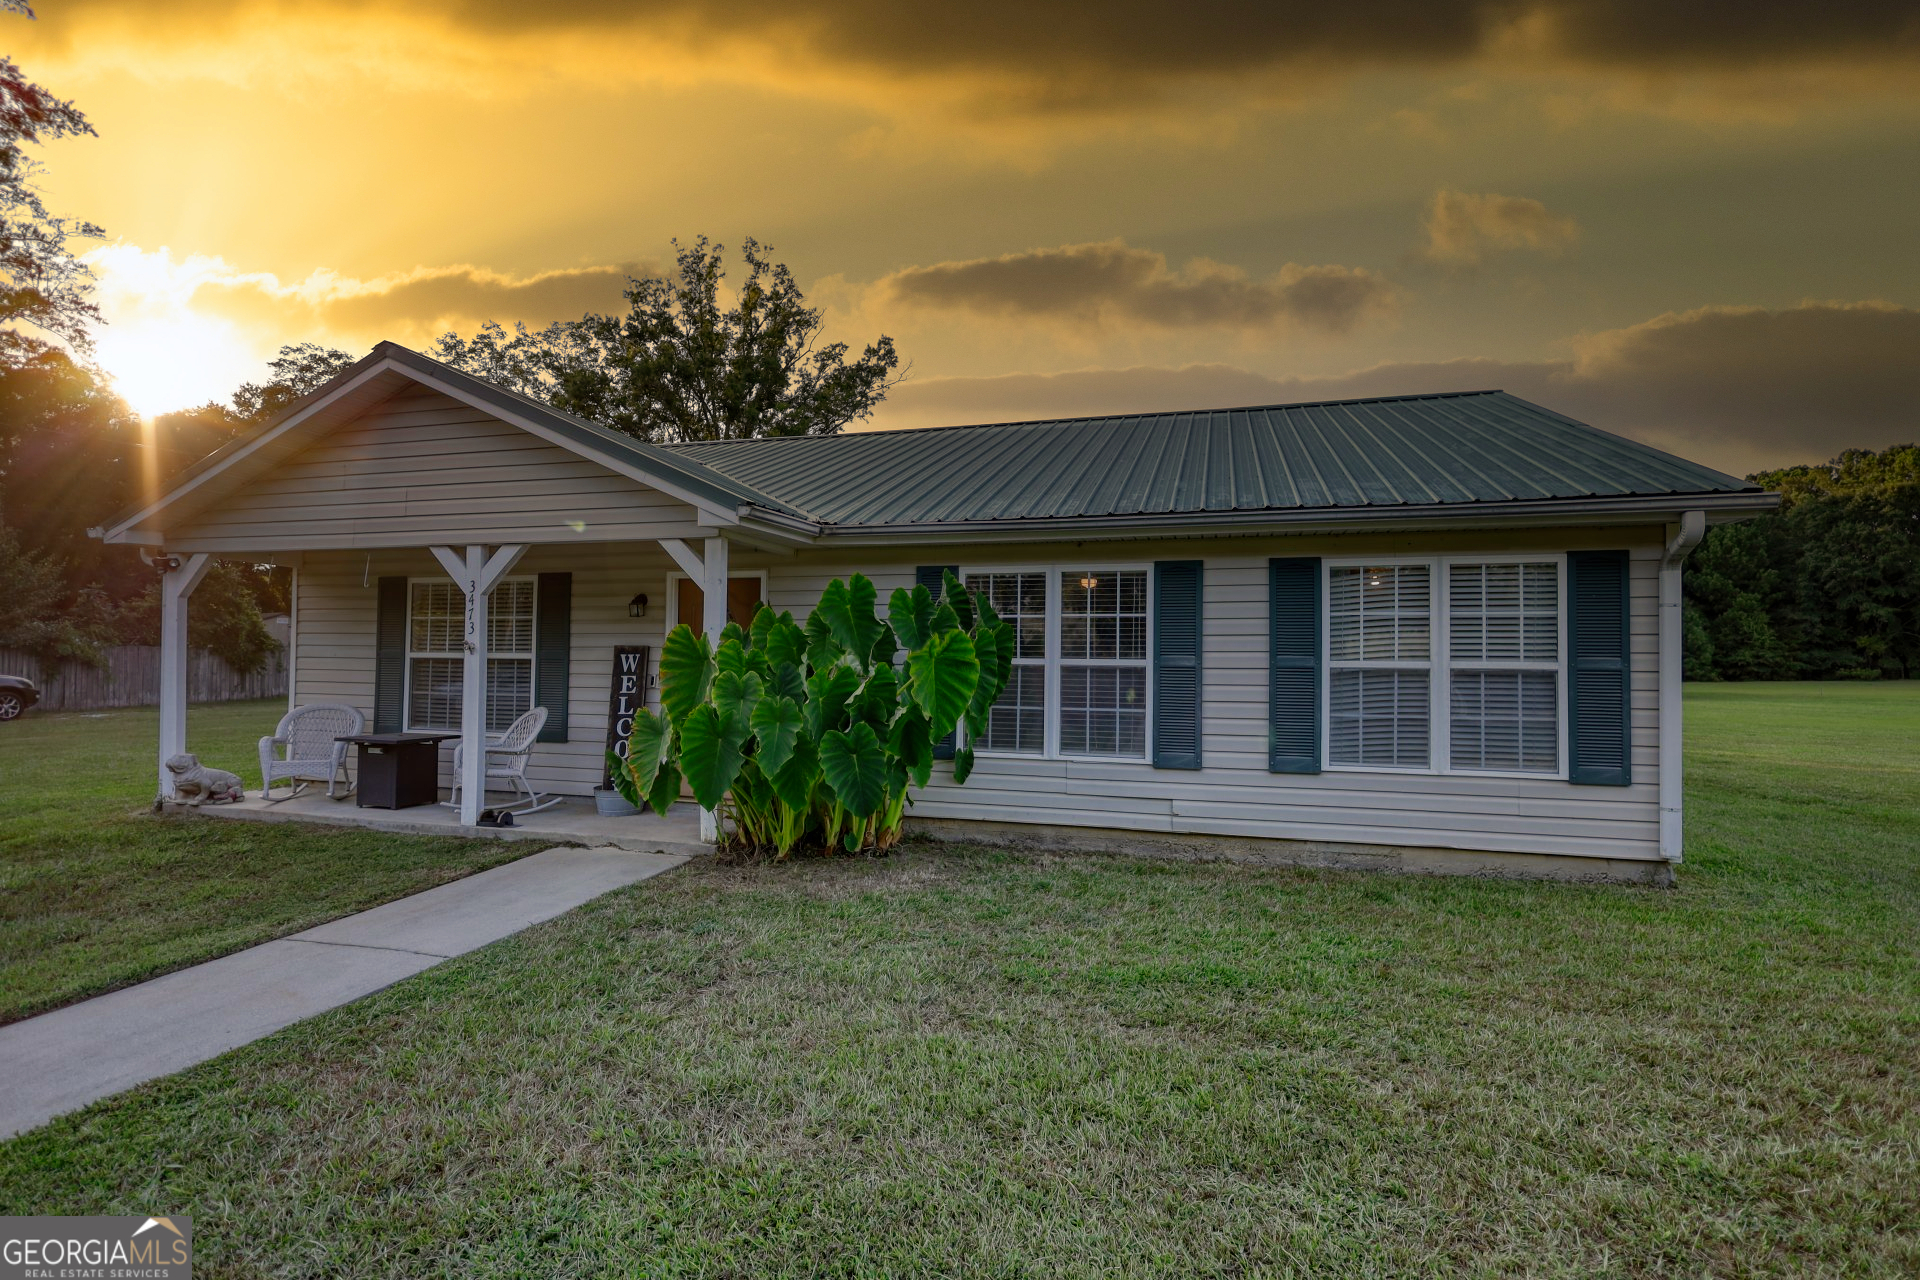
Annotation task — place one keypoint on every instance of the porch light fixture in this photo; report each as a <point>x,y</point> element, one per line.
<point>637,607</point>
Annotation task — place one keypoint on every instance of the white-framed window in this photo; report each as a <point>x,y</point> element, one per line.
<point>1082,660</point>
<point>436,645</point>
<point>1447,664</point>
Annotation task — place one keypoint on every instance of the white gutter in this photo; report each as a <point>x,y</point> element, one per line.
<point>1681,539</point>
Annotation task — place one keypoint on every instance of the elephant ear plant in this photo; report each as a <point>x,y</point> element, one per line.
<point>798,734</point>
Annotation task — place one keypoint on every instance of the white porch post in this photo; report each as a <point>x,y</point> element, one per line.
<point>1681,539</point>
<point>176,585</point>
<point>713,620</point>
<point>476,574</point>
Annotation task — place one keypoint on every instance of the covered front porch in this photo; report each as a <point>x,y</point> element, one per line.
<point>461,557</point>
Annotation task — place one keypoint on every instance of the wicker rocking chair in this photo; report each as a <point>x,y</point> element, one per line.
<point>307,736</point>
<point>507,756</point>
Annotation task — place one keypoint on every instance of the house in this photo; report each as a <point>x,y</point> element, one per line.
<point>1442,630</point>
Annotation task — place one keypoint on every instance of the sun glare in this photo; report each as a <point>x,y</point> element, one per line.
<point>160,352</point>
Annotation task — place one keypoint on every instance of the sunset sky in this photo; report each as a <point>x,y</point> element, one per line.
<point>1694,224</point>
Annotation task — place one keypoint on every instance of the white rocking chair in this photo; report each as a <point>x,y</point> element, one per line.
<point>507,756</point>
<point>307,734</point>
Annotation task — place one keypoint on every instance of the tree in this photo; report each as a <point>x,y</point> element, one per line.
<point>1827,587</point>
<point>298,371</point>
<point>680,365</point>
<point>42,283</point>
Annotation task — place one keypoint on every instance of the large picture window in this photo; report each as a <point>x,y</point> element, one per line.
<point>1445,665</point>
<point>436,642</point>
<point>1080,668</point>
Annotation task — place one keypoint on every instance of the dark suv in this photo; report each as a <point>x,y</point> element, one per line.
<point>17,693</point>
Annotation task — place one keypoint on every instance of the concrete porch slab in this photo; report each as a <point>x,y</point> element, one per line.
<point>572,821</point>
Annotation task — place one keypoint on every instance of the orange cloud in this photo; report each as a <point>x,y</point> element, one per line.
<point>1462,229</point>
<point>1113,285</point>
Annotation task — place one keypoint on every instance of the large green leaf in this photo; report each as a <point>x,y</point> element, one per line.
<point>795,780</point>
<point>963,763</point>
<point>762,628</point>
<point>945,673</point>
<point>879,698</point>
<point>709,754</point>
<point>828,693</point>
<point>777,723</point>
<point>733,631</point>
<point>855,765</point>
<point>788,682</point>
<point>686,672</point>
<point>911,615</point>
<point>649,746</point>
<point>954,592</point>
<point>911,741</point>
<point>847,609</point>
<point>731,655</point>
<point>622,779</point>
<point>884,648</point>
<point>786,642</point>
<point>822,649</point>
<point>665,789</point>
<point>734,697</point>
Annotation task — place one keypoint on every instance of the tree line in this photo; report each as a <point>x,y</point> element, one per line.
<point>1827,588</point>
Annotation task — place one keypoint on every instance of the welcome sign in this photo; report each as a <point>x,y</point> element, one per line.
<point>626,695</point>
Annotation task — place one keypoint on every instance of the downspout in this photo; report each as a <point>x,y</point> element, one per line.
<point>1681,539</point>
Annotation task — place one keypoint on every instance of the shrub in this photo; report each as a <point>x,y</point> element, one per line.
<point>793,734</point>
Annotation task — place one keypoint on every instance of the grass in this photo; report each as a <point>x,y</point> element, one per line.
<point>963,1062</point>
<point>96,893</point>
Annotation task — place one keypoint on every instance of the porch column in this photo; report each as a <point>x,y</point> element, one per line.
<point>476,574</point>
<point>176,585</point>
<point>713,620</point>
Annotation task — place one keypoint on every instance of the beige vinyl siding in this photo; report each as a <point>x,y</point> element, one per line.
<point>422,468</point>
<point>1234,794</point>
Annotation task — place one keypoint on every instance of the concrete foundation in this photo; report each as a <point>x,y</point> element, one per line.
<point>1295,853</point>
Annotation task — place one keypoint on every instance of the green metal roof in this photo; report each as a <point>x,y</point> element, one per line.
<point>1469,447</point>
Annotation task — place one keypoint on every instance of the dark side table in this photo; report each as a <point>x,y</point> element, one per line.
<point>397,770</point>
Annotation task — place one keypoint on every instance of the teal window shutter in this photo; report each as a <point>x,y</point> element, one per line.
<point>390,657</point>
<point>552,651</point>
<point>934,578</point>
<point>1599,673</point>
<point>1177,612</point>
<point>1293,665</point>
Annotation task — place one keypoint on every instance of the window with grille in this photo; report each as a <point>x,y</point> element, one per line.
<point>1103,662</point>
<point>1018,720</point>
<point>1503,660</point>
<point>1445,665</point>
<point>1380,665</point>
<point>436,643</point>
<point>1079,683</point>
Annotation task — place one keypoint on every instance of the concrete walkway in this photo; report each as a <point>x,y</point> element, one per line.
<point>63,1060</point>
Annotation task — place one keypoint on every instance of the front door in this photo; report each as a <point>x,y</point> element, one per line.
<point>743,601</point>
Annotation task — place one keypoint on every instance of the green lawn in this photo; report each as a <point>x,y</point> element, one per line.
<point>95,892</point>
<point>961,1062</point>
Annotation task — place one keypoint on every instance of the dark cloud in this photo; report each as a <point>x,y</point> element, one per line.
<point>1035,54</point>
<point>1739,388</point>
<point>425,301</point>
<point>1462,229</point>
<point>1113,285</point>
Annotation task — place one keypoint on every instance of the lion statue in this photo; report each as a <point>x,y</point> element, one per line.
<point>195,784</point>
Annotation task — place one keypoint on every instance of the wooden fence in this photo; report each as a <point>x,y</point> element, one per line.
<point>131,678</point>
